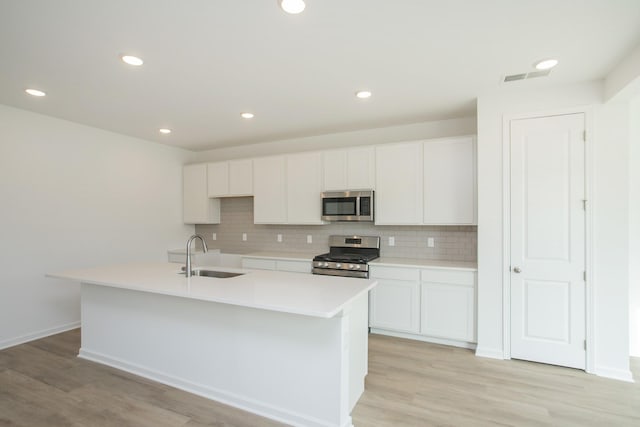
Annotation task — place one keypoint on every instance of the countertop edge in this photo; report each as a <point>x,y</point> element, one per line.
<point>288,310</point>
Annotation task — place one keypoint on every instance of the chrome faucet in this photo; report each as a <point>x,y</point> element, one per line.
<point>188,270</point>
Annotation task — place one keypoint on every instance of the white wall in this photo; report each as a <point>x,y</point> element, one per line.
<point>416,131</point>
<point>74,196</point>
<point>624,77</point>
<point>611,241</point>
<point>634,228</point>
<point>609,182</point>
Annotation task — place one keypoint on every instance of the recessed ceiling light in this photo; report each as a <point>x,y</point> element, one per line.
<point>35,92</point>
<point>132,60</point>
<point>292,6</point>
<point>165,131</point>
<point>247,115</point>
<point>363,94</point>
<point>546,64</point>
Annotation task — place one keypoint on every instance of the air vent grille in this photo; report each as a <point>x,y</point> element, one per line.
<point>514,77</point>
<point>524,76</point>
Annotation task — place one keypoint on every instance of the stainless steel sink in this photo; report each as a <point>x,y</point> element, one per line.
<point>213,273</point>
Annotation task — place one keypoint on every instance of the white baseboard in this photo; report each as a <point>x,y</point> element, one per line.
<point>490,353</point>
<point>37,335</point>
<point>222,396</point>
<point>614,373</point>
<point>461,344</point>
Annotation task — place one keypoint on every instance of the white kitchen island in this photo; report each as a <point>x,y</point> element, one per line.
<point>288,346</point>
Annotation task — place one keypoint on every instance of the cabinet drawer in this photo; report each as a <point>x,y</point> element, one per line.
<point>394,273</point>
<point>259,264</point>
<point>454,277</point>
<point>294,266</point>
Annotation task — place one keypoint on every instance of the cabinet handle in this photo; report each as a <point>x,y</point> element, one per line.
<point>516,269</point>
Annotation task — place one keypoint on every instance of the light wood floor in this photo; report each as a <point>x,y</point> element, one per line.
<point>410,383</point>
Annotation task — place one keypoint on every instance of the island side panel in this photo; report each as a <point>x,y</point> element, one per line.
<point>358,341</point>
<point>287,367</point>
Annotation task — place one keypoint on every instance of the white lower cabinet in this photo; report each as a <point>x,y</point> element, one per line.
<point>448,304</point>
<point>259,263</point>
<point>291,266</point>
<point>395,303</point>
<point>429,304</point>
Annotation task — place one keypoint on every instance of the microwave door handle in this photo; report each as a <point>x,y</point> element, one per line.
<point>357,206</point>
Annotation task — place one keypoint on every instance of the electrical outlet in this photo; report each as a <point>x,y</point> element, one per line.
<point>244,237</point>
<point>392,241</point>
<point>431,242</point>
<point>214,236</point>
<point>309,238</point>
<point>279,238</point>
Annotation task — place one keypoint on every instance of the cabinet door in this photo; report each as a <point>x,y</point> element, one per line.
<point>198,208</point>
<point>394,305</point>
<point>399,184</point>
<point>218,179</point>
<point>258,264</point>
<point>304,185</point>
<point>361,168</point>
<point>349,169</point>
<point>335,170</point>
<point>294,266</point>
<point>269,189</point>
<point>448,311</point>
<point>450,181</point>
<point>241,177</point>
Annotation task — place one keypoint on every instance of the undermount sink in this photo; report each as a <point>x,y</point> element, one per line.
<point>214,273</point>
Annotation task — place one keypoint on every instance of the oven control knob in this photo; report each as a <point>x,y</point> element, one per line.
<point>338,265</point>
<point>326,264</point>
<point>357,267</point>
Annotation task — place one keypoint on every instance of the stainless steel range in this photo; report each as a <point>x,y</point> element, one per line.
<point>348,256</point>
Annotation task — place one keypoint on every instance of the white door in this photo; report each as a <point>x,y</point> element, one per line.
<point>548,240</point>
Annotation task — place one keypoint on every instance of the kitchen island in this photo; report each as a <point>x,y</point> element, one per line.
<point>288,346</point>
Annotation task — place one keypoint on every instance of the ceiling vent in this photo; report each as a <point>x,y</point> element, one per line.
<point>523,76</point>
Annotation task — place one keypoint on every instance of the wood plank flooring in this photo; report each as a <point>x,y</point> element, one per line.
<point>410,383</point>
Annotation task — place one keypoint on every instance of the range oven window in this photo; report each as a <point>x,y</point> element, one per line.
<point>339,206</point>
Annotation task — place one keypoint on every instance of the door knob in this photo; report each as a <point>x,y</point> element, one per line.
<point>516,269</point>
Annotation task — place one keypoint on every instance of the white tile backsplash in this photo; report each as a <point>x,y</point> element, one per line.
<point>455,243</point>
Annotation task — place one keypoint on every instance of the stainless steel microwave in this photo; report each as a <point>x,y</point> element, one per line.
<point>348,205</point>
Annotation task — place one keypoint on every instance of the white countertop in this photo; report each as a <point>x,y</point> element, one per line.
<point>296,293</point>
<point>382,261</point>
<point>425,263</point>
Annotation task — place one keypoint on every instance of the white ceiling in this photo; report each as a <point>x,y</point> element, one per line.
<point>208,60</point>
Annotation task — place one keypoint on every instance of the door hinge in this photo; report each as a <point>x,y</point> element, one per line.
<point>584,135</point>
<point>584,275</point>
<point>584,344</point>
<point>584,204</point>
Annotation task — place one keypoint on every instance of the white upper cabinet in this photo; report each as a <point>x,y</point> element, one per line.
<point>304,185</point>
<point>198,208</point>
<point>349,169</point>
<point>335,170</point>
<point>270,190</point>
<point>218,179</point>
<point>399,184</point>
<point>231,178</point>
<point>241,177</point>
<point>450,181</point>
